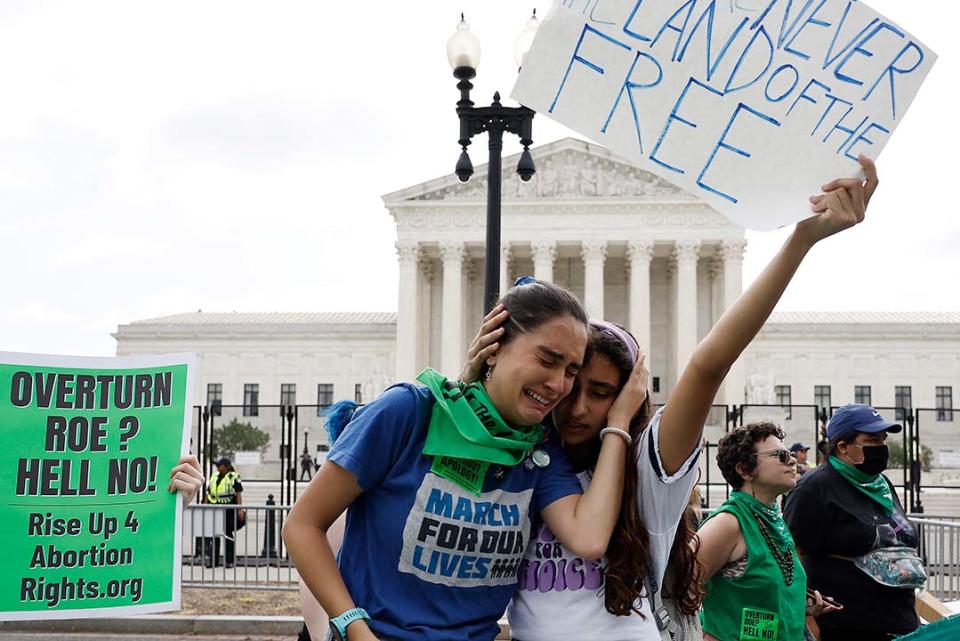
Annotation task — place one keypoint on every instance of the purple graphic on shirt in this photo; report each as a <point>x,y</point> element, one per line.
<point>551,568</point>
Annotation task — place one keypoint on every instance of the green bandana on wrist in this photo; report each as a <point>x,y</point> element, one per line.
<point>467,434</point>
<point>873,485</point>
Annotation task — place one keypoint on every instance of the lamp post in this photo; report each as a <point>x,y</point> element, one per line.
<point>463,52</point>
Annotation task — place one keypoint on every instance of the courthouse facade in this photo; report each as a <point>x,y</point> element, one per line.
<point>635,249</point>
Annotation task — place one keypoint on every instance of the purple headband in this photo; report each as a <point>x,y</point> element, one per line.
<point>628,341</point>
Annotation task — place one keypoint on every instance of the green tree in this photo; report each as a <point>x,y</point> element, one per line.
<point>238,437</point>
<point>896,456</point>
<point>926,458</point>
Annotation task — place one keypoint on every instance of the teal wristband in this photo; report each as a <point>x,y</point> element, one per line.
<point>338,625</point>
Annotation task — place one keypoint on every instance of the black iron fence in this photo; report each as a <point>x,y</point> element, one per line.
<point>926,453</point>
<point>266,443</point>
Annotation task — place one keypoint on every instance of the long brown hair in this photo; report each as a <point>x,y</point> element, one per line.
<point>628,553</point>
<point>684,569</point>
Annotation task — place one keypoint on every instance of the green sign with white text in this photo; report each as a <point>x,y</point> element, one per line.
<point>89,527</point>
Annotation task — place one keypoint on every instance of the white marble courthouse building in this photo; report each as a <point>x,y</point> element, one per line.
<point>633,248</point>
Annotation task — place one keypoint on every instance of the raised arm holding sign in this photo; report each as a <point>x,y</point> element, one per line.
<point>745,104</point>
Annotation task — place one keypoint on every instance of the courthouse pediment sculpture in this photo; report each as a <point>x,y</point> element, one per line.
<point>567,174</point>
<point>760,389</point>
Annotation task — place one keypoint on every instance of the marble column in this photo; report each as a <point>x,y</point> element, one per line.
<point>408,255</point>
<point>469,316</point>
<point>685,253</point>
<point>505,256</point>
<point>731,252</point>
<point>715,270</point>
<point>451,338</point>
<point>544,253</point>
<point>639,256</point>
<point>425,322</point>
<point>593,252</point>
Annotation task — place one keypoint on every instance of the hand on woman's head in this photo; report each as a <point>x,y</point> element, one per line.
<point>484,344</point>
<point>842,204</point>
<point>631,396</point>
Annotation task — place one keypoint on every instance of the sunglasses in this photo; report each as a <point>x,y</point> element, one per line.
<point>784,456</point>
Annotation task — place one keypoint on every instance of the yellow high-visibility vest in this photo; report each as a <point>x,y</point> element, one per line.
<point>223,491</point>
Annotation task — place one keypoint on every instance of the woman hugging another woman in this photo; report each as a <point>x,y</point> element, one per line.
<point>443,482</point>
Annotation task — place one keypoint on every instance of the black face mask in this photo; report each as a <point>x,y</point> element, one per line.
<point>875,459</point>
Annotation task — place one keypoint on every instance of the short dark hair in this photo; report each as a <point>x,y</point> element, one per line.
<point>737,448</point>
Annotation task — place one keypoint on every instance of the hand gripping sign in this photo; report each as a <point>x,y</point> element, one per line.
<point>749,104</point>
<point>89,528</point>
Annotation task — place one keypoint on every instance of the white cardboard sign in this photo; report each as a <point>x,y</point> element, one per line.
<point>749,104</point>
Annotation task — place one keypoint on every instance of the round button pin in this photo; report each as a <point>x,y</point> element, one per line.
<point>540,458</point>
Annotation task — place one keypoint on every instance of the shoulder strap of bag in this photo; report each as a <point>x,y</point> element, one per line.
<point>665,624</point>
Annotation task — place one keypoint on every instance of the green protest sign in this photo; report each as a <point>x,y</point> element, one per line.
<point>89,528</point>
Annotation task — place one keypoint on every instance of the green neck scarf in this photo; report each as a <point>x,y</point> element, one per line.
<point>776,526</point>
<point>467,433</point>
<point>873,485</point>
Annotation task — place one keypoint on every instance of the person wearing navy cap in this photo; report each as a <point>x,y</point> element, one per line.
<point>856,542</point>
<point>225,489</point>
<point>799,451</point>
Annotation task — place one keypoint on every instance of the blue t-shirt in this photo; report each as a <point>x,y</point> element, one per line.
<point>425,558</point>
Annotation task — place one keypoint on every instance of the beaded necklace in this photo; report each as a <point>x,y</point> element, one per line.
<point>783,558</point>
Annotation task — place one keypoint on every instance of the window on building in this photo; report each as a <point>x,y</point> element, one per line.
<point>821,398</point>
<point>903,400</point>
<point>251,399</point>
<point>215,398</point>
<point>861,394</point>
<point>288,394</point>
<point>357,393</point>
<point>324,397</point>
<point>656,384</point>
<point>784,399</point>
<point>944,403</point>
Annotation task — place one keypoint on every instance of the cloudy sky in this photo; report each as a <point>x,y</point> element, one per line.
<point>162,157</point>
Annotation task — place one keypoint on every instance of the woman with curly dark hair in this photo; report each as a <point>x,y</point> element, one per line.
<point>756,586</point>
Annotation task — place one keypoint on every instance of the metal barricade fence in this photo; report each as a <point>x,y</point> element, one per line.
<point>217,554</point>
<point>256,559</point>
<point>940,551</point>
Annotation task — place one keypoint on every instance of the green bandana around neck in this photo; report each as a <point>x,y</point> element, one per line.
<point>467,433</point>
<point>874,486</point>
<point>771,517</point>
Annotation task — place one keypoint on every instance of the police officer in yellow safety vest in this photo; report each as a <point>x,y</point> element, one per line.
<point>225,489</point>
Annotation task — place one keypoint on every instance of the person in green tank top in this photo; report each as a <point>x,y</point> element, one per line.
<point>756,586</point>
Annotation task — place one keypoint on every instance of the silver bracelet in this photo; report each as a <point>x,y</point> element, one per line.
<point>619,432</point>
